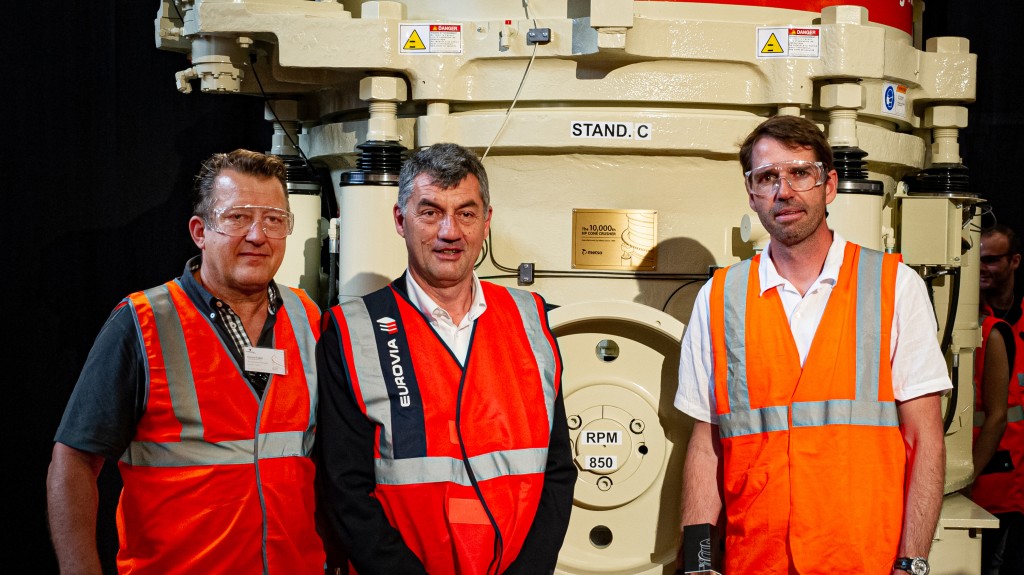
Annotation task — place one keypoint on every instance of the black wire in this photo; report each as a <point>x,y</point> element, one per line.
<point>499,544</point>
<point>494,262</point>
<point>675,291</point>
<point>632,275</point>
<point>266,100</point>
<point>591,275</point>
<point>947,335</point>
<point>483,257</point>
<point>984,210</point>
<point>947,342</point>
<point>595,274</point>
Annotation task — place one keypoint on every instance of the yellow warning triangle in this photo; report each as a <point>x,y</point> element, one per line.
<point>772,46</point>
<point>414,42</point>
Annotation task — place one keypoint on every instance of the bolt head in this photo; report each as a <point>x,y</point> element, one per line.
<point>844,15</point>
<point>382,10</point>
<point>846,95</point>
<point>382,89</point>
<point>945,117</point>
<point>948,45</point>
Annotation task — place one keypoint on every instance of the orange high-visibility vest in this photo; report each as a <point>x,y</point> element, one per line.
<point>433,453</point>
<point>813,456</point>
<point>1001,490</point>
<point>217,480</point>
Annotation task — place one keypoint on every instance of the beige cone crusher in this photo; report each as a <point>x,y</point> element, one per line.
<point>610,131</point>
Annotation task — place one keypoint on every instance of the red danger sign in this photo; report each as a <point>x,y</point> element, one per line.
<point>445,27</point>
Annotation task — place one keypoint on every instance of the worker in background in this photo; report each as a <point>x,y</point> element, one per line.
<point>203,388</point>
<point>999,487</point>
<point>443,446</point>
<point>814,376</point>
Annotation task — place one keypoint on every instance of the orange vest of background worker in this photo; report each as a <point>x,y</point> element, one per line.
<point>212,468</point>
<point>999,487</point>
<point>813,457</point>
<point>442,448</point>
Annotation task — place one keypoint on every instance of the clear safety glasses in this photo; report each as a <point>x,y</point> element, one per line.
<point>237,221</point>
<point>801,175</point>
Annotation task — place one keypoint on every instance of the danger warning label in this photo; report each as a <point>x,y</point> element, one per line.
<point>789,42</point>
<point>430,38</point>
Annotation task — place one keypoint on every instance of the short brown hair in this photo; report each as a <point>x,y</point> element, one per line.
<point>1012,241</point>
<point>792,131</point>
<point>242,161</point>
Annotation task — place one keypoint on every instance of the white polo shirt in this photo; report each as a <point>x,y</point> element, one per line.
<point>456,337</point>
<point>918,367</point>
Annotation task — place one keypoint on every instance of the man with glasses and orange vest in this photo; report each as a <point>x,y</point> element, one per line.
<point>999,461</point>
<point>204,389</point>
<point>814,377</point>
<point>442,444</point>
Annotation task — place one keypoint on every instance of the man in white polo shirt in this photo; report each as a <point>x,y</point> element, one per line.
<point>814,376</point>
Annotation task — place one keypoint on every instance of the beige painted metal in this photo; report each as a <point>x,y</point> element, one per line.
<point>371,251</point>
<point>689,73</point>
<point>301,265</point>
<point>622,378</point>
<point>956,547</point>
<point>966,337</point>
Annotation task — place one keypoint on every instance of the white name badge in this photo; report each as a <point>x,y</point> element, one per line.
<point>264,360</point>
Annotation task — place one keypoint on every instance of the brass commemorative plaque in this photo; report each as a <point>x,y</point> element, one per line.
<point>614,239</point>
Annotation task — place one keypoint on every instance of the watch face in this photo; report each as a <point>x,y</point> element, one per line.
<point>919,566</point>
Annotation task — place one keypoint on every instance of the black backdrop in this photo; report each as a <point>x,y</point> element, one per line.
<point>99,167</point>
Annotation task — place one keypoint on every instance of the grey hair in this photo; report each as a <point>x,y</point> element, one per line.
<point>242,161</point>
<point>446,165</point>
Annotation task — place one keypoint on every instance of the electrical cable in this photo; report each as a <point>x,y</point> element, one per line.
<point>522,82</point>
<point>983,210</point>
<point>488,250</point>
<point>266,100</point>
<point>593,275</point>
<point>675,291</point>
<point>946,341</point>
<point>508,113</point>
<point>174,3</point>
<point>626,275</point>
<point>946,345</point>
<point>499,544</point>
<point>483,256</point>
<point>947,418</point>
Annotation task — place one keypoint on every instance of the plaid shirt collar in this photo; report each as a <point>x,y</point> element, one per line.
<point>218,310</point>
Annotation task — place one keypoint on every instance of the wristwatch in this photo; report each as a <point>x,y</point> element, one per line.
<point>912,565</point>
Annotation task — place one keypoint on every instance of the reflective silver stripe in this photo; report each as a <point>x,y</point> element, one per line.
<point>194,449</point>
<point>307,351</point>
<point>736,279</point>
<point>367,368</point>
<point>1014,414</point>
<point>844,412</point>
<point>542,350</point>
<point>753,421</point>
<point>180,384</point>
<point>421,470</point>
<point>869,322</point>
<point>864,410</point>
<point>238,452</point>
